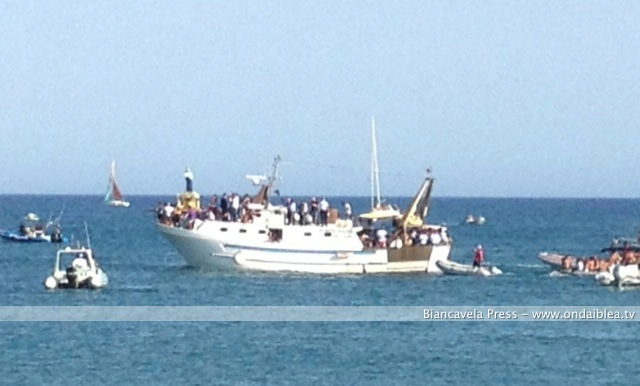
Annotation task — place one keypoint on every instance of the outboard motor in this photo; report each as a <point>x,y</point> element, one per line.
<point>72,277</point>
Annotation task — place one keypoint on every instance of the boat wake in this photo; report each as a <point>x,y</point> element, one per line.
<point>136,288</point>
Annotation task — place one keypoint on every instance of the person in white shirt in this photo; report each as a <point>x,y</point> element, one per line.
<point>423,238</point>
<point>168,210</point>
<point>324,211</point>
<point>292,212</point>
<point>348,214</point>
<point>436,238</point>
<point>235,207</point>
<point>381,235</point>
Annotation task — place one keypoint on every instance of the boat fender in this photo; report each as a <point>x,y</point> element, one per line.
<point>50,283</point>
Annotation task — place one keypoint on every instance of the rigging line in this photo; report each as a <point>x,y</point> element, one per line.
<point>342,167</point>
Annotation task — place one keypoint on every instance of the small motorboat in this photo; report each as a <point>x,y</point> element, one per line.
<point>452,268</point>
<point>477,220</point>
<point>82,272</point>
<point>32,231</point>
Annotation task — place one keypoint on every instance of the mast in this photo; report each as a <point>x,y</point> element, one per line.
<point>115,190</point>
<point>271,181</point>
<point>375,179</point>
<point>113,171</point>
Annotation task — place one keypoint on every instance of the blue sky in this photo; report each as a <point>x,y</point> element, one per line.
<point>500,98</point>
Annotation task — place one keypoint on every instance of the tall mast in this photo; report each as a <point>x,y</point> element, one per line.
<point>375,179</point>
<point>113,171</point>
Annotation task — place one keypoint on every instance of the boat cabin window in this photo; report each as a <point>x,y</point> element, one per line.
<point>307,233</point>
<point>243,231</point>
<point>223,229</point>
<point>327,234</point>
<point>262,231</point>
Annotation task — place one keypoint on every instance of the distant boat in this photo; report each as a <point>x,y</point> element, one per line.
<point>479,220</point>
<point>378,209</point>
<point>452,268</point>
<point>82,272</point>
<point>32,231</point>
<point>114,196</point>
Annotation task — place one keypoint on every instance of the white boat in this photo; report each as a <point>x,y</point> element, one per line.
<point>477,220</point>
<point>378,209</point>
<point>113,196</point>
<point>82,271</point>
<point>267,244</point>
<point>453,268</point>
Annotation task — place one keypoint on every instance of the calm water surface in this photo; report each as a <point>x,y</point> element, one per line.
<point>145,270</point>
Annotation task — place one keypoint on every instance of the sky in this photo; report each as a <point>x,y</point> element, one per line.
<point>498,98</point>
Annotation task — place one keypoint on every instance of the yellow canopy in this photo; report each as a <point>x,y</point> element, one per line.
<point>381,214</point>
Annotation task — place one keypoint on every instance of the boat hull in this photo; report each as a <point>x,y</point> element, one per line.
<point>552,259</point>
<point>95,280</point>
<point>10,236</point>
<point>119,203</point>
<point>204,252</point>
<point>453,268</point>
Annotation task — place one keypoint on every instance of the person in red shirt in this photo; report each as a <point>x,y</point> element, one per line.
<point>478,256</point>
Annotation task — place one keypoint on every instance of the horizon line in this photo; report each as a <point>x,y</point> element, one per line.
<point>338,196</point>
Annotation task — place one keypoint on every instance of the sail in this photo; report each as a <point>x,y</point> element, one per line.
<point>113,191</point>
<point>108,196</point>
<point>419,206</point>
<point>116,192</point>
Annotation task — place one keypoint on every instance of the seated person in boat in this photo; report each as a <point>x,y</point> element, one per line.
<point>580,266</point>
<point>592,264</point>
<point>396,240</point>
<point>604,265</point>
<point>367,237</point>
<point>381,236</point>
<point>567,263</point>
<point>247,217</point>
<point>435,237</point>
<point>615,258</point>
<point>628,258</point>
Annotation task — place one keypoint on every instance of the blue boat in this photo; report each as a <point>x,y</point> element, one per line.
<point>30,231</point>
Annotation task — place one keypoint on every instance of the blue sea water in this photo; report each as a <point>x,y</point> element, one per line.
<point>145,270</point>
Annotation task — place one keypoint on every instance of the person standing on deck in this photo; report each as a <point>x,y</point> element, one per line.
<point>188,176</point>
<point>324,211</point>
<point>314,210</point>
<point>478,256</point>
<point>348,213</point>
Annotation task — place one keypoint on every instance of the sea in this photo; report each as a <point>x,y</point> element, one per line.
<point>145,270</point>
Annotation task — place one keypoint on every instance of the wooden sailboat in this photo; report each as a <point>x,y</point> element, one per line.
<point>114,196</point>
<point>378,209</point>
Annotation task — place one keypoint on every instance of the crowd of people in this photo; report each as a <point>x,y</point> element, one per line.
<point>593,264</point>
<point>231,207</point>
<point>380,238</point>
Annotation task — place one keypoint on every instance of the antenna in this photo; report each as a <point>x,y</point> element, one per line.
<point>86,231</point>
<point>375,179</point>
